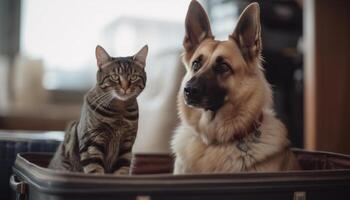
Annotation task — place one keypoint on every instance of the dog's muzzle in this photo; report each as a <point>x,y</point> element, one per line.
<point>202,93</point>
<point>193,94</point>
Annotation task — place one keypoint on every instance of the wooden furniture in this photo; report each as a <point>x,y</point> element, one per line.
<point>327,75</point>
<point>40,118</point>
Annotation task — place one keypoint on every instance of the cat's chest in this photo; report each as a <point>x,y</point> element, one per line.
<point>122,124</point>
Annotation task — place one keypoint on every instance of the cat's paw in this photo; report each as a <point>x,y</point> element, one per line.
<point>97,172</point>
<point>122,171</point>
<point>93,169</point>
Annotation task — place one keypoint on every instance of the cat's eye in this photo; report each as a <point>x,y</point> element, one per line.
<point>196,65</point>
<point>105,84</point>
<point>115,77</point>
<point>133,78</point>
<point>222,68</point>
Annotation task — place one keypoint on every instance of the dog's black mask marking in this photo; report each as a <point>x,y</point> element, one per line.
<point>204,92</point>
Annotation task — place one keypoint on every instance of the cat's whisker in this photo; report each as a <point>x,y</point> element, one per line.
<point>113,96</point>
<point>94,100</point>
<point>110,101</point>
<point>107,101</point>
<point>101,103</point>
<point>106,98</point>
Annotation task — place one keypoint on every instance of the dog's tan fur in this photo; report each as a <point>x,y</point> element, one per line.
<point>203,143</point>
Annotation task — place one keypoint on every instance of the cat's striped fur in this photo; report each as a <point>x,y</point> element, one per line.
<point>101,141</point>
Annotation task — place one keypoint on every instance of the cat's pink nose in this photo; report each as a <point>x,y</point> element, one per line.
<point>124,88</point>
<point>124,84</point>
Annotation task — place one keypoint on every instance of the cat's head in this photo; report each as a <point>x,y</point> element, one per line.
<point>123,77</point>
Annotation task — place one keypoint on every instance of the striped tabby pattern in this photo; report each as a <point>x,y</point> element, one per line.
<point>101,141</point>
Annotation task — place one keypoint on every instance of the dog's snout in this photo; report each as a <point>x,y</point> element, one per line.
<point>204,92</point>
<point>191,91</point>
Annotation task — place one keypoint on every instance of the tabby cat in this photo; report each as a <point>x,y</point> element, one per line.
<point>101,141</point>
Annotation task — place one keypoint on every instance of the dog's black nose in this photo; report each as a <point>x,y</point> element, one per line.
<point>191,91</point>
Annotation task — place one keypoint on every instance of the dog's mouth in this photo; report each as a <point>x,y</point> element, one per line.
<point>206,103</point>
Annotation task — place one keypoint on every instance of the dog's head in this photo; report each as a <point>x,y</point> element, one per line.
<point>221,72</point>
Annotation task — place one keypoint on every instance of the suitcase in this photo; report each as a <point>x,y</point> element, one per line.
<point>14,142</point>
<point>324,176</point>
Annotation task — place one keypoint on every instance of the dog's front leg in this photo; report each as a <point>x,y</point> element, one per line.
<point>179,167</point>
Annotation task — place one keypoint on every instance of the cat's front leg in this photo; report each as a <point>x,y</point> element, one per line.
<point>125,170</point>
<point>122,166</point>
<point>92,161</point>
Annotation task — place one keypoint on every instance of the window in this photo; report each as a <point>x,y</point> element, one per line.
<point>62,34</point>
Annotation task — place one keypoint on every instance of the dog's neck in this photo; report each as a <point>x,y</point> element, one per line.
<point>237,137</point>
<point>253,132</point>
<point>218,129</point>
<point>253,128</point>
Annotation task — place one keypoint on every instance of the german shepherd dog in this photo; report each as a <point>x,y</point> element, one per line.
<point>225,103</point>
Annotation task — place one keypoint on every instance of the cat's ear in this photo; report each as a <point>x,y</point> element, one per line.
<point>248,31</point>
<point>197,26</point>
<point>141,56</point>
<point>101,56</point>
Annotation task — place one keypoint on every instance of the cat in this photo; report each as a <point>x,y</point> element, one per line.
<point>101,141</point>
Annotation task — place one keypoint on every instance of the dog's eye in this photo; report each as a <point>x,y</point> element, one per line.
<point>222,68</point>
<point>196,65</point>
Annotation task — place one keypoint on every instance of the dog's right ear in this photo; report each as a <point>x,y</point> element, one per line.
<point>197,26</point>
<point>248,31</point>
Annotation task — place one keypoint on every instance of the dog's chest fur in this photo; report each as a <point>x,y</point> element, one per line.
<point>266,152</point>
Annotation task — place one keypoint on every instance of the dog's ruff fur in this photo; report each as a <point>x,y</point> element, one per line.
<point>203,142</point>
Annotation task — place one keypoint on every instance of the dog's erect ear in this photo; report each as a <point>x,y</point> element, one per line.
<point>248,31</point>
<point>197,26</point>
<point>101,56</point>
<point>141,55</point>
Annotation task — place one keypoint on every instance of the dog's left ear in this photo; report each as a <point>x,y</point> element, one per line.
<point>248,31</point>
<point>197,26</point>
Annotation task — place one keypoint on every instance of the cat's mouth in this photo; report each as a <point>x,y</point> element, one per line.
<point>123,95</point>
<point>125,92</point>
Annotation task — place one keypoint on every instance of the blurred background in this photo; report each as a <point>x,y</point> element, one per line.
<point>47,54</point>
<point>47,63</point>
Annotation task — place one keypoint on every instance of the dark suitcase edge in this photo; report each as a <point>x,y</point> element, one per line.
<point>53,182</point>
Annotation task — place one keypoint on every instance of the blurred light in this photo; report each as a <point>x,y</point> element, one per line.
<point>64,33</point>
<point>125,38</point>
